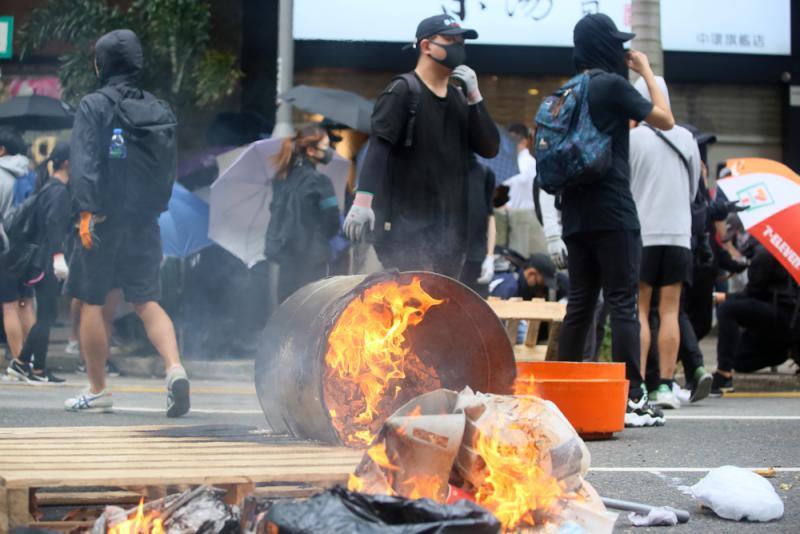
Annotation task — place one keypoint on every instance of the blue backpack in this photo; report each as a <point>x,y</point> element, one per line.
<point>570,151</point>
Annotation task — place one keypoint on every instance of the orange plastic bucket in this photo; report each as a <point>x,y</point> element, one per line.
<point>592,396</point>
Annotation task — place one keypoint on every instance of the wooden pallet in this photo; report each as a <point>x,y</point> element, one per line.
<point>58,466</point>
<point>536,312</point>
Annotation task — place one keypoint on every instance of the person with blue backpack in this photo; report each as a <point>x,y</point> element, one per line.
<point>123,165</point>
<point>582,154</point>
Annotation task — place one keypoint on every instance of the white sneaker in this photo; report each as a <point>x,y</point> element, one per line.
<point>73,347</point>
<point>683,395</point>
<point>178,402</point>
<point>666,399</point>
<point>86,401</point>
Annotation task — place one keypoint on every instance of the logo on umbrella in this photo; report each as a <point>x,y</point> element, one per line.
<point>756,196</point>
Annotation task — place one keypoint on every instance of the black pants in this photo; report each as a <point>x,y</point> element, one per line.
<point>295,274</point>
<point>609,261</point>
<point>699,304</point>
<point>752,335</point>
<point>38,340</point>
<point>412,256</point>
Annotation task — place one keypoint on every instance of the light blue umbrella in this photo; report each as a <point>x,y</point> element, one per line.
<point>184,226</point>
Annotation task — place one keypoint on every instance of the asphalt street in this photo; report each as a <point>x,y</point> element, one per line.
<point>646,465</point>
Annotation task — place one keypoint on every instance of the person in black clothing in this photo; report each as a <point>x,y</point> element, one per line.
<point>758,327</point>
<point>120,238</point>
<point>304,210</point>
<point>600,223</point>
<point>418,178</point>
<point>479,265</point>
<point>51,220</point>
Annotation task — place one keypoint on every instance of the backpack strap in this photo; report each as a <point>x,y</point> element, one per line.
<point>664,138</point>
<point>414,92</point>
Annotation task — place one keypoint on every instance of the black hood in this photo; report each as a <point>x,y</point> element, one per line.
<point>599,45</point>
<point>119,57</point>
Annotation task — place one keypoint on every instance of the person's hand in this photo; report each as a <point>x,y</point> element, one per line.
<point>487,270</point>
<point>86,229</point>
<point>60,268</point>
<point>719,297</point>
<point>470,80</point>
<point>734,207</point>
<point>638,62</point>
<point>359,216</point>
<point>558,251</point>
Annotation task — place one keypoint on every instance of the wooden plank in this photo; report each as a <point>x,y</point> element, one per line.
<point>552,341</point>
<point>530,354</point>
<point>235,447</point>
<point>235,493</point>
<point>10,470</point>
<point>512,327</point>
<point>17,508</point>
<point>62,526</point>
<point>286,492</point>
<point>198,456</point>
<point>547,311</point>
<point>86,498</point>
<point>532,335</point>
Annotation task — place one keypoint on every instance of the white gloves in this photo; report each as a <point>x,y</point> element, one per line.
<point>360,214</point>
<point>487,270</point>
<point>558,251</point>
<point>470,79</point>
<point>60,268</point>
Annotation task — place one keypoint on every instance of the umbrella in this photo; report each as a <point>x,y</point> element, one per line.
<point>36,112</point>
<point>771,192</point>
<point>504,164</point>
<point>241,196</point>
<point>339,106</point>
<point>184,226</point>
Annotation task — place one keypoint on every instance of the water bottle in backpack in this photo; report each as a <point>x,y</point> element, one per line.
<point>117,148</point>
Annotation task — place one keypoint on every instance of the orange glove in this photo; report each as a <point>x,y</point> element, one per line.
<point>86,229</point>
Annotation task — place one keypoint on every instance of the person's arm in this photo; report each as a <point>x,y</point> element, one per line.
<point>484,139</point>
<point>56,207</point>
<point>86,155</point>
<point>694,179</point>
<point>661,116</point>
<point>551,221</point>
<point>491,236</point>
<point>328,205</point>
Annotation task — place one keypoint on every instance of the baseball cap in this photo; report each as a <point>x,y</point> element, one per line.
<point>442,25</point>
<point>543,264</point>
<point>600,22</point>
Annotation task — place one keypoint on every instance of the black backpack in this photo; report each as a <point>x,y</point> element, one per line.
<point>285,229</point>
<point>21,255</point>
<point>146,176</point>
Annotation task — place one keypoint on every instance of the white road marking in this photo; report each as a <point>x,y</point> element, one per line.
<point>677,417</point>
<point>135,409</point>
<point>682,469</point>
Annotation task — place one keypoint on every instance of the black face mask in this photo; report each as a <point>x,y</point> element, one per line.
<point>456,55</point>
<point>327,156</point>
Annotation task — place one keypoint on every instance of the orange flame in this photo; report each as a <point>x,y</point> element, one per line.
<point>371,371</point>
<point>526,386</point>
<point>515,488</point>
<point>140,524</point>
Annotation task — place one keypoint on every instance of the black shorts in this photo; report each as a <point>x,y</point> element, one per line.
<point>126,256</point>
<point>665,265</point>
<point>13,289</point>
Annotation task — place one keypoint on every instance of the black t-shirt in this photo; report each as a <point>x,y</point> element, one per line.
<point>428,197</point>
<point>607,204</point>
<point>481,192</point>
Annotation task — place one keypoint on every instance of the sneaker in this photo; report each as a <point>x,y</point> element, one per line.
<point>178,402</point>
<point>701,386</point>
<point>720,385</point>
<point>18,371</point>
<point>641,413</point>
<point>112,370</point>
<point>683,395</point>
<point>81,367</point>
<point>73,347</point>
<point>89,402</point>
<point>47,378</point>
<point>666,399</point>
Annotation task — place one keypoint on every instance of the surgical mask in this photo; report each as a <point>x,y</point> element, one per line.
<point>456,55</point>
<point>327,155</point>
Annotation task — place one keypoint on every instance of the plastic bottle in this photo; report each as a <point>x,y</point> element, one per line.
<point>117,148</point>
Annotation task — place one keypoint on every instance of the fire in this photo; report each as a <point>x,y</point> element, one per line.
<point>526,386</point>
<point>370,368</point>
<point>515,488</point>
<point>140,524</point>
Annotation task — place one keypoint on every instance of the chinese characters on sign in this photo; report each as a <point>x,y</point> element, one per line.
<point>743,40</point>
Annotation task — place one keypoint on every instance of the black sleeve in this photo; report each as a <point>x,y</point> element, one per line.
<point>376,165</point>
<point>488,190</point>
<point>484,139</point>
<point>327,204</point>
<point>626,100</point>
<point>86,152</point>
<point>55,210</point>
<point>760,274</point>
<point>390,114</point>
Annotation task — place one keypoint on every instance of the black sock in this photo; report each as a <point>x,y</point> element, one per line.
<point>667,383</point>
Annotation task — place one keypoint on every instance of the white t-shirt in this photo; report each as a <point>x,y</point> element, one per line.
<point>520,186</point>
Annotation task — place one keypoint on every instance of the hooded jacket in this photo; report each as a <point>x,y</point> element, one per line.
<point>119,60</point>
<point>11,168</point>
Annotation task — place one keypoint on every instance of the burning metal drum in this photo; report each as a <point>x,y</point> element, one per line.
<point>342,354</point>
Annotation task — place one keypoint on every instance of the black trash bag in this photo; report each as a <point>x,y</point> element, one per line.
<point>341,511</point>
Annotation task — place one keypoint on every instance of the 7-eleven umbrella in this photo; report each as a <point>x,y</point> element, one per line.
<point>241,196</point>
<point>771,192</point>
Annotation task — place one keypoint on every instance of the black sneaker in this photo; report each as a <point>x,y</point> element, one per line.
<point>18,371</point>
<point>701,386</point>
<point>47,378</point>
<point>721,384</point>
<point>641,413</point>
<point>112,370</point>
<point>81,367</point>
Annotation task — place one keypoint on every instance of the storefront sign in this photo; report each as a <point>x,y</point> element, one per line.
<point>6,37</point>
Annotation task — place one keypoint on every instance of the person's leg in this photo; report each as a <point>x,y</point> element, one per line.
<point>621,259</point>
<point>74,321</point>
<point>12,324</point>
<point>730,314</point>
<point>160,332</point>
<point>761,348</point>
<point>645,296</point>
<point>27,314</point>
<point>94,345</point>
<point>38,340</point>
<point>668,332</point>
<point>584,278</point>
<point>699,302</point>
<point>652,374</point>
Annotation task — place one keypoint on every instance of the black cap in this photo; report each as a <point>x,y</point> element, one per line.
<point>443,25</point>
<point>601,21</point>
<point>544,265</point>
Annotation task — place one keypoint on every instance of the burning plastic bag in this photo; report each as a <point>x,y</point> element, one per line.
<point>736,493</point>
<point>342,511</point>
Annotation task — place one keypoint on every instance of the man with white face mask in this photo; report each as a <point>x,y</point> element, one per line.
<point>423,131</point>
